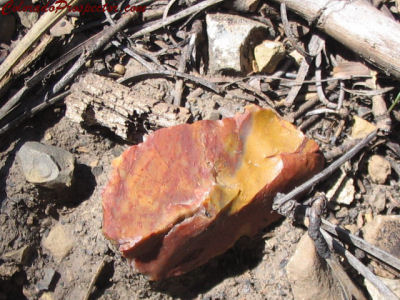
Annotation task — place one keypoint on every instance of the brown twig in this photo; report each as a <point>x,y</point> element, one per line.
<point>44,23</point>
<point>107,35</point>
<point>356,264</point>
<point>61,61</point>
<point>341,95</point>
<point>318,78</point>
<point>28,114</point>
<point>184,59</point>
<point>374,92</point>
<point>321,111</point>
<point>380,112</point>
<point>96,275</point>
<point>171,73</point>
<point>312,102</point>
<point>153,26</point>
<point>307,123</point>
<point>279,201</point>
<point>314,46</point>
<point>289,34</point>
<point>132,53</point>
<point>349,238</point>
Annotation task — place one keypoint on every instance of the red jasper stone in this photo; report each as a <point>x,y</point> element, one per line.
<point>189,192</point>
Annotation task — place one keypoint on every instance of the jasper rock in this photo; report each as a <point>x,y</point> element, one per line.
<point>46,165</point>
<point>189,192</point>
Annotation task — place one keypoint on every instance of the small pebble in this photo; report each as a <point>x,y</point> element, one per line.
<point>379,169</point>
<point>119,69</point>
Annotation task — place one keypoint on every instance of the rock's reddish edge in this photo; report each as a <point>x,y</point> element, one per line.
<point>189,192</point>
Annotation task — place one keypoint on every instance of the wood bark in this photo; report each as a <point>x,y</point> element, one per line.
<point>96,100</point>
<point>357,25</point>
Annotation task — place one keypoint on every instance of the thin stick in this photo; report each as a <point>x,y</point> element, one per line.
<point>312,102</point>
<point>23,64</point>
<point>167,8</point>
<point>45,22</point>
<point>96,275</point>
<point>349,238</point>
<point>356,264</point>
<point>132,53</point>
<point>301,75</point>
<point>33,112</point>
<point>288,32</point>
<point>321,111</point>
<point>9,105</point>
<point>170,73</point>
<point>181,68</point>
<point>61,61</point>
<point>105,38</point>
<point>318,77</point>
<point>279,201</point>
<point>153,26</point>
<point>314,47</point>
<point>107,13</point>
<point>347,284</point>
<point>341,95</point>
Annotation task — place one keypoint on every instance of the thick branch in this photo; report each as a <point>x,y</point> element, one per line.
<point>357,25</point>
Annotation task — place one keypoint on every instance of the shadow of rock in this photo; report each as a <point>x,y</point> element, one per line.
<point>83,185</point>
<point>103,282</point>
<point>246,254</point>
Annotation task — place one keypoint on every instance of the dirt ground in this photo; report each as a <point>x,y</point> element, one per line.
<point>253,269</point>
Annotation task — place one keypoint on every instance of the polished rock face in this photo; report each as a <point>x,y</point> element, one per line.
<point>189,192</point>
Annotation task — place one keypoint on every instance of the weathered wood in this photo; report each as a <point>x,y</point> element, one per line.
<point>97,100</point>
<point>357,25</point>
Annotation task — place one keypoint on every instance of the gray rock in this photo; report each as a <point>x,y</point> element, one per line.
<point>45,165</point>
<point>231,41</point>
<point>377,198</point>
<point>45,282</point>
